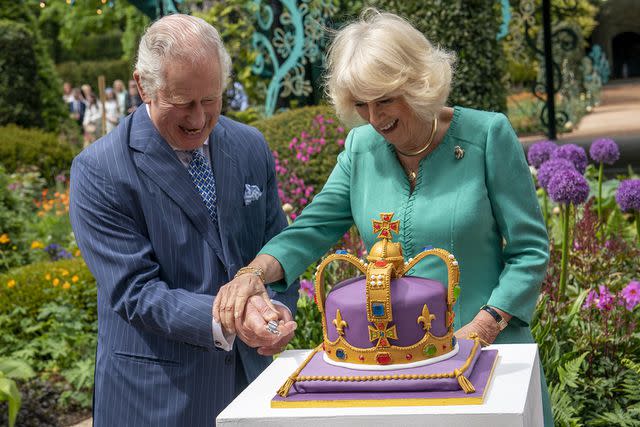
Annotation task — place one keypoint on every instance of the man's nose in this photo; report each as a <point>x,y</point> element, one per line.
<point>196,116</point>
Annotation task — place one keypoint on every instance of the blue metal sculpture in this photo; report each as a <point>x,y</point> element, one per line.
<point>297,40</point>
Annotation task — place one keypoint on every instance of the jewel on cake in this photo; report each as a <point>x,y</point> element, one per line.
<point>387,336</point>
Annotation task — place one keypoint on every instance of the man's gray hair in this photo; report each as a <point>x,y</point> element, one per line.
<point>181,38</point>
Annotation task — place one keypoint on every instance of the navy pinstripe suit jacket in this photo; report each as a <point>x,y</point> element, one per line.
<point>159,260</point>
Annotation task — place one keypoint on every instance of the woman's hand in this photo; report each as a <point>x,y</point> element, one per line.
<point>484,325</point>
<point>230,302</point>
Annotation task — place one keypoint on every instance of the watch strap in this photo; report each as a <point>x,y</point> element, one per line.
<point>498,318</point>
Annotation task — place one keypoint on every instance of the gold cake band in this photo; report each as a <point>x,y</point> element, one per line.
<point>457,373</point>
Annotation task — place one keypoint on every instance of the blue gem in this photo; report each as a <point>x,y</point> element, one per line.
<point>427,248</point>
<point>377,308</point>
<point>340,354</point>
<point>341,252</point>
<point>381,334</point>
<point>453,342</point>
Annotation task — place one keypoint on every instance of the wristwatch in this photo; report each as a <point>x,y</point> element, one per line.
<point>499,319</point>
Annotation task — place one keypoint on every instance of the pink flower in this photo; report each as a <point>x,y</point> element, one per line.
<point>605,299</point>
<point>307,288</point>
<point>631,294</point>
<point>592,297</point>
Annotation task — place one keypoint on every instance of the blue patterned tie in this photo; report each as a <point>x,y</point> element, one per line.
<point>204,181</point>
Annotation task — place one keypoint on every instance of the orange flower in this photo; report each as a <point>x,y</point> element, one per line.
<point>4,238</point>
<point>47,276</point>
<point>64,272</point>
<point>36,245</point>
<point>11,283</point>
<point>66,285</point>
<point>56,282</point>
<point>75,278</point>
<point>77,252</point>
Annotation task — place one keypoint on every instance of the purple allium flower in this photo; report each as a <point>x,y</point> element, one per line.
<point>549,168</point>
<point>592,298</point>
<point>61,178</point>
<point>540,152</point>
<point>306,287</point>
<point>628,195</point>
<point>57,252</point>
<point>631,294</point>
<point>574,153</point>
<point>605,299</point>
<point>604,150</point>
<point>568,186</point>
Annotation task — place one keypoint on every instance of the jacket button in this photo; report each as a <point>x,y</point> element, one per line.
<point>228,360</point>
<point>218,344</point>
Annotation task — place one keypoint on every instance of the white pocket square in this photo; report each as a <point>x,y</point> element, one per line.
<point>251,194</point>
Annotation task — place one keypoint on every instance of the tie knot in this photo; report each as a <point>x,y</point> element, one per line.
<point>197,157</point>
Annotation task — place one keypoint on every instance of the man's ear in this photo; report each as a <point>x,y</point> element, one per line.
<point>145,97</point>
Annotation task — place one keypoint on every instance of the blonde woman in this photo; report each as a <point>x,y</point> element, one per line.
<point>455,177</point>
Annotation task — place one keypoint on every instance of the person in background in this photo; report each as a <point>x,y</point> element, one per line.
<point>67,95</point>
<point>132,99</point>
<point>77,106</point>
<point>92,121</point>
<point>121,95</point>
<point>86,91</point>
<point>456,177</point>
<point>111,109</point>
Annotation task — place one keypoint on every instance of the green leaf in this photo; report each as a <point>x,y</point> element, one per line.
<point>15,369</point>
<point>10,393</point>
<point>570,371</point>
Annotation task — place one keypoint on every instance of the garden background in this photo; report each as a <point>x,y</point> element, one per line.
<point>587,315</point>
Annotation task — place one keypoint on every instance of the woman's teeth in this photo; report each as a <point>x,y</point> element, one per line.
<point>389,126</point>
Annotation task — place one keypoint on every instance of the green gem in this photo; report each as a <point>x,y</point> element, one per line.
<point>429,350</point>
<point>456,292</point>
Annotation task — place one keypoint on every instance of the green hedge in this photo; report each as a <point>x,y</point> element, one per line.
<point>25,148</point>
<point>37,284</point>
<point>280,129</point>
<point>469,28</point>
<point>79,73</point>
<point>29,84</point>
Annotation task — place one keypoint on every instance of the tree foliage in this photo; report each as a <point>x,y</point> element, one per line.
<point>469,29</point>
<point>29,84</point>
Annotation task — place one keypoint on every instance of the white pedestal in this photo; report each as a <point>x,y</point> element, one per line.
<point>512,400</point>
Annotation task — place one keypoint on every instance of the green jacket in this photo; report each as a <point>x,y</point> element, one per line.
<point>482,208</point>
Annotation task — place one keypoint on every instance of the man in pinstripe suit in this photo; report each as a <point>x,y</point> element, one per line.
<point>161,232</point>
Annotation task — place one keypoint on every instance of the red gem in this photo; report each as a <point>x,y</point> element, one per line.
<point>383,342</point>
<point>409,356</point>
<point>384,233</point>
<point>361,357</point>
<point>381,263</point>
<point>444,346</point>
<point>383,358</point>
<point>376,227</point>
<point>386,217</point>
<point>380,326</point>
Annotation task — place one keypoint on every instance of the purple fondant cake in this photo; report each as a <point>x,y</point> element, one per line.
<point>386,332</point>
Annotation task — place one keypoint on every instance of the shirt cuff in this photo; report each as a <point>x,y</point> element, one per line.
<point>223,341</point>
<point>276,302</point>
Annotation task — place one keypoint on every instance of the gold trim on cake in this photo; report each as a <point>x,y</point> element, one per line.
<point>386,263</point>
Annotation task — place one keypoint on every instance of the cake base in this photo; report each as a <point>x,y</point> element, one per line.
<point>480,377</point>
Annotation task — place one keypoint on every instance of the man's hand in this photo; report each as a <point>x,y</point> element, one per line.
<point>252,327</point>
<point>230,302</point>
<point>483,324</point>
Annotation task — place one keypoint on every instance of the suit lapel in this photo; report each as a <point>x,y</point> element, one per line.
<point>156,159</point>
<point>229,190</point>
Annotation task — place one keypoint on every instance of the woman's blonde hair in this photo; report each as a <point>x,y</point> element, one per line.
<point>381,54</point>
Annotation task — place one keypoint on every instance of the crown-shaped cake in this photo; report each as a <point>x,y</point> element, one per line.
<point>385,318</point>
<point>387,331</point>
